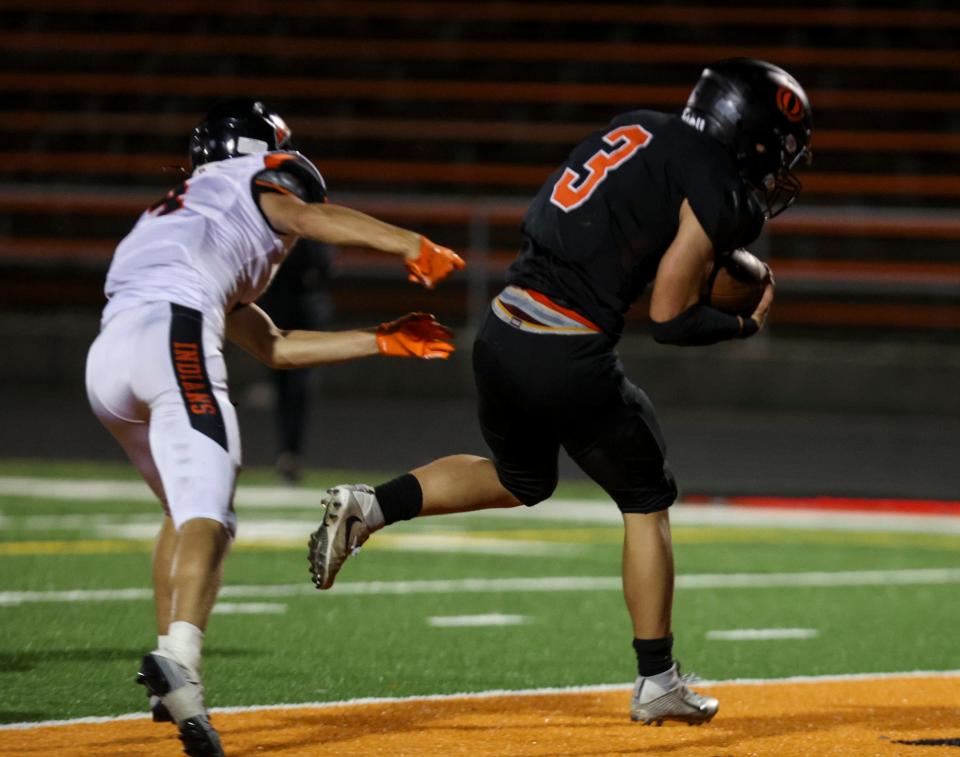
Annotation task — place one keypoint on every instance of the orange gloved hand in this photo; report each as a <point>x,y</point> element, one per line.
<point>434,264</point>
<point>415,335</point>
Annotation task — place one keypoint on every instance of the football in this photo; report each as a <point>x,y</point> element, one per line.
<point>736,283</point>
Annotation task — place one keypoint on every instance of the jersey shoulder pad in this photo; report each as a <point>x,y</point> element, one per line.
<point>289,172</point>
<point>719,198</point>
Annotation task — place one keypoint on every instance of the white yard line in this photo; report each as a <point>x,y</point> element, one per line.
<point>88,490</point>
<point>476,621</point>
<point>295,531</point>
<point>762,634</point>
<point>75,489</point>
<point>249,608</point>
<point>497,693</point>
<point>919,577</point>
<point>595,512</point>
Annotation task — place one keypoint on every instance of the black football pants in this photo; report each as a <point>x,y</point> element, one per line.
<point>540,391</point>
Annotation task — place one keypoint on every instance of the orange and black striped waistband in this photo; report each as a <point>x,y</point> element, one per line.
<point>528,310</point>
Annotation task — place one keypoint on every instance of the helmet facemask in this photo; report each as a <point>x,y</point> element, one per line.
<point>772,180</point>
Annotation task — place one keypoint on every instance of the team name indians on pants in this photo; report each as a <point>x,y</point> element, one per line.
<point>192,379</point>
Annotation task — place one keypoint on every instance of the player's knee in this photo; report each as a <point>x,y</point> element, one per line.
<point>226,519</point>
<point>649,498</point>
<point>533,492</point>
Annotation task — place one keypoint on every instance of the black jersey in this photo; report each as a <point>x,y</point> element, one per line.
<point>601,223</point>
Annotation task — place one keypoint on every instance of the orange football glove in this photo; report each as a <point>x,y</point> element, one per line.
<point>434,264</point>
<point>415,335</point>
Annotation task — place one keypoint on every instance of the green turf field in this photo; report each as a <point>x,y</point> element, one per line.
<point>867,598</point>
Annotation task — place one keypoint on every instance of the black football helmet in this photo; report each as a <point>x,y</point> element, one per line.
<point>762,115</point>
<point>237,127</point>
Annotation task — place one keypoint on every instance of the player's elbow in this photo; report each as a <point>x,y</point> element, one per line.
<point>267,347</point>
<point>672,321</point>
<point>675,330</point>
<point>271,361</point>
<point>277,356</point>
<point>268,356</point>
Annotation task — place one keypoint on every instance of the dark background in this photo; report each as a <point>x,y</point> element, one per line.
<point>445,117</point>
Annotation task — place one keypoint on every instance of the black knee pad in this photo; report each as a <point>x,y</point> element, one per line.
<point>652,495</point>
<point>645,502</point>
<point>638,484</point>
<point>530,488</point>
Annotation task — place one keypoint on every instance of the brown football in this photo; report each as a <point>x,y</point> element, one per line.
<point>736,283</point>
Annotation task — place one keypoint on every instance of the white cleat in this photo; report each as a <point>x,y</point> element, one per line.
<point>341,533</point>
<point>180,692</point>
<point>653,703</point>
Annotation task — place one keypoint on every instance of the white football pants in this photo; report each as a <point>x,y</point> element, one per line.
<point>157,380</point>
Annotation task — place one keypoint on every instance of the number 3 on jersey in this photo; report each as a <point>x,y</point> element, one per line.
<point>572,190</point>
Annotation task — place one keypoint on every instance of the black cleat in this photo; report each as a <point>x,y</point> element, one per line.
<point>199,738</point>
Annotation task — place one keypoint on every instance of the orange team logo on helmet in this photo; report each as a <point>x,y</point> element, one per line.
<point>790,105</point>
<point>280,128</point>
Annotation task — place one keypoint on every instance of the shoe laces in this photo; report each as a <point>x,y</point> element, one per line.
<point>688,679</point>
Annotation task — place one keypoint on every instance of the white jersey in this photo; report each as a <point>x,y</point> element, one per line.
<point>206,245</point>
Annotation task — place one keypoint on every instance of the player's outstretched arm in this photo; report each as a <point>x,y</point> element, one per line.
<point>415,335</point>
<point>427,263</point>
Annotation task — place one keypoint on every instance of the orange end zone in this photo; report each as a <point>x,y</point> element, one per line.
<point>841,717</point>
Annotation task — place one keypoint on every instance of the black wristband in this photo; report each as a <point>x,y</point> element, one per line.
<point>697,325</point>
<point>750,327</point>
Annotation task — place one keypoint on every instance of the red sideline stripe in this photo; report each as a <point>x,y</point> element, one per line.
<point>913,506</point>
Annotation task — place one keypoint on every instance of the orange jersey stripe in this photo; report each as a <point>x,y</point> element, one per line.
<point>547,302</point>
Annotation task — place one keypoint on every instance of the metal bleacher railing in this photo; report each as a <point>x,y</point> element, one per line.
<point>851,287</point>
<point>445,116</point>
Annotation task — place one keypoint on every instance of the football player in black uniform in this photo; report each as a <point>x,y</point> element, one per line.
<point>652,198</point>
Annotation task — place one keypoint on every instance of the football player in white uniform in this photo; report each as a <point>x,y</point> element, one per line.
<point>186,276</point>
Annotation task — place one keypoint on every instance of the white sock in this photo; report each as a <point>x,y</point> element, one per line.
<point>161,642</point>
<point>372,514</point>
<point>667,680</point>
<point>183,642</point>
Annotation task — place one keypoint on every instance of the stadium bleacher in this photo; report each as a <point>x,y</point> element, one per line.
<point>447,116</point>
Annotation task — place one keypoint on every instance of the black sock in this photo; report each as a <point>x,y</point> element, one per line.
<point>654,655</point>
<point>400,498</point>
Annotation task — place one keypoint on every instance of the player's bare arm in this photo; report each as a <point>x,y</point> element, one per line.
<point>682,268</point>
<point>253,330</point>
<point>427,263</point>
<point>336,224</point>
<point>675,311</point>
<point>414,335</point>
